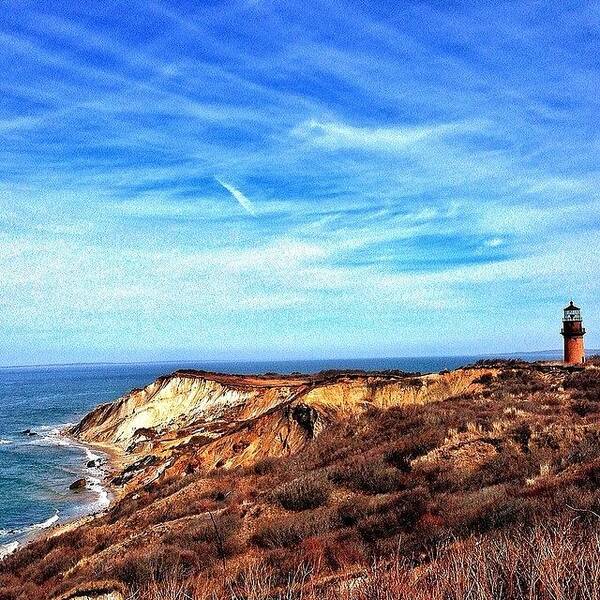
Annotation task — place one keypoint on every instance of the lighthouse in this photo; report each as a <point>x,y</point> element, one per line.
<point>573,332</point>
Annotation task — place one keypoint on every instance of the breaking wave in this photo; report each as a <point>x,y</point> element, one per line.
<point>45,524</point>
<point>7,549</point>
<point>50,436</point>
<point>95,481</point>
<point>94,475</point>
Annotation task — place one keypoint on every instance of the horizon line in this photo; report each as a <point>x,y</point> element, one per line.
<point>266,360</point>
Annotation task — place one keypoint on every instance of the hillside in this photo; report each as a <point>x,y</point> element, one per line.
<point>266,486</point>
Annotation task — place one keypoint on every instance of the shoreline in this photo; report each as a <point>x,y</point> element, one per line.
<point>97,481</point>
<point>113,462</point>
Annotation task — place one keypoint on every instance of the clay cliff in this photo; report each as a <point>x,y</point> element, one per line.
<point>192,419</point>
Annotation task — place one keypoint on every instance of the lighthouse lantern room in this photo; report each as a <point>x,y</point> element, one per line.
<point>573,332</point>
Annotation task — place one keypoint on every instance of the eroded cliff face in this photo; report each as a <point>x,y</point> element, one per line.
<point>174,403</point>
<point>191,419</point>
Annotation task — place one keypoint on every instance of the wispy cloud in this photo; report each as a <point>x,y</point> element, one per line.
<point>380,139</point>
<point>243,201</point>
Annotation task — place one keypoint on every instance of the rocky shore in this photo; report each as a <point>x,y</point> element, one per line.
<point>100,464</point>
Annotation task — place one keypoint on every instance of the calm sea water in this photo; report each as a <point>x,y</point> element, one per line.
<point>36,470</point>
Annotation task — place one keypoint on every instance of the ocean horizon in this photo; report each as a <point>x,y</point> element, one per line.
<point>37,464</point>
<point>532,355</point>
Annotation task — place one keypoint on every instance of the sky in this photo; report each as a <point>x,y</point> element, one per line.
<point>269,180</point>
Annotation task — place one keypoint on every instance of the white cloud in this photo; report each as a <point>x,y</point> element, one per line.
<point>283,254</point>
<point>244,202</point>
<point>559,186</point>
<point>383,139</point>
<point>494,242</point>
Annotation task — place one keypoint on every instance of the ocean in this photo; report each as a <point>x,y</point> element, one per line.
<point>36,469</point>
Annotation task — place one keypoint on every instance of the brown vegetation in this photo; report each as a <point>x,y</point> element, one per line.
<point>490,494</point>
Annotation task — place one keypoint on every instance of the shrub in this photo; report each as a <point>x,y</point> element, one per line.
<point>265,466</point>
<point>302,494</point>
<point>520,563</point>
<point>57,561</point>
<point>586,449</point>
<point>283,532</point>
<point>21,591</point>
<point>485,379</point>
<point>355,509</point>
<point>584,407</point>
<point>400,513</point>
<point>508,465</point>
<point>372,476</point>
<point>585,385</point>
<point>518,382</point>
<point>142,565</point>
<point>521,433</point>
<point>210,538</point>
<point>484,510</point>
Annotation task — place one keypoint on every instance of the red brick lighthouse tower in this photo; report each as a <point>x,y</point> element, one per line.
<point>573,332</point>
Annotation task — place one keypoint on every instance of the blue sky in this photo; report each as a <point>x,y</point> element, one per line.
<point>260,179</point>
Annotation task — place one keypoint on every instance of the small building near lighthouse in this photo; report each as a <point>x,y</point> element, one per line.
<point>573,332</point>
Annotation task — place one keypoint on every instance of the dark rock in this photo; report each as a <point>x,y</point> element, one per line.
<point>240,446</point>
<point>306,417</point>
<point>28,432</point>
<point>142,439</point>
<point>144,434</point>
<point>220,496</point>
<point>78,485</point>
<point>134,468</point>
<point>92,464</point>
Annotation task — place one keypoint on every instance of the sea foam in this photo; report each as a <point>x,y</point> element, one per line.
<point>47,523</point>
<point>95,482</point>
<point>50,436</point>
<point>7,549</point>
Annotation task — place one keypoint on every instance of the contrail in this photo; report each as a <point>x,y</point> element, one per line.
<point>243,201</point>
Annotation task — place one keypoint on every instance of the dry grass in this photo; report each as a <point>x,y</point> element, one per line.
<point>555,561</point>
<point>490,494</point>
<point>303,493</point>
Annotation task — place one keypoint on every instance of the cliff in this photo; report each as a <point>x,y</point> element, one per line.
<point>193,419</point>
